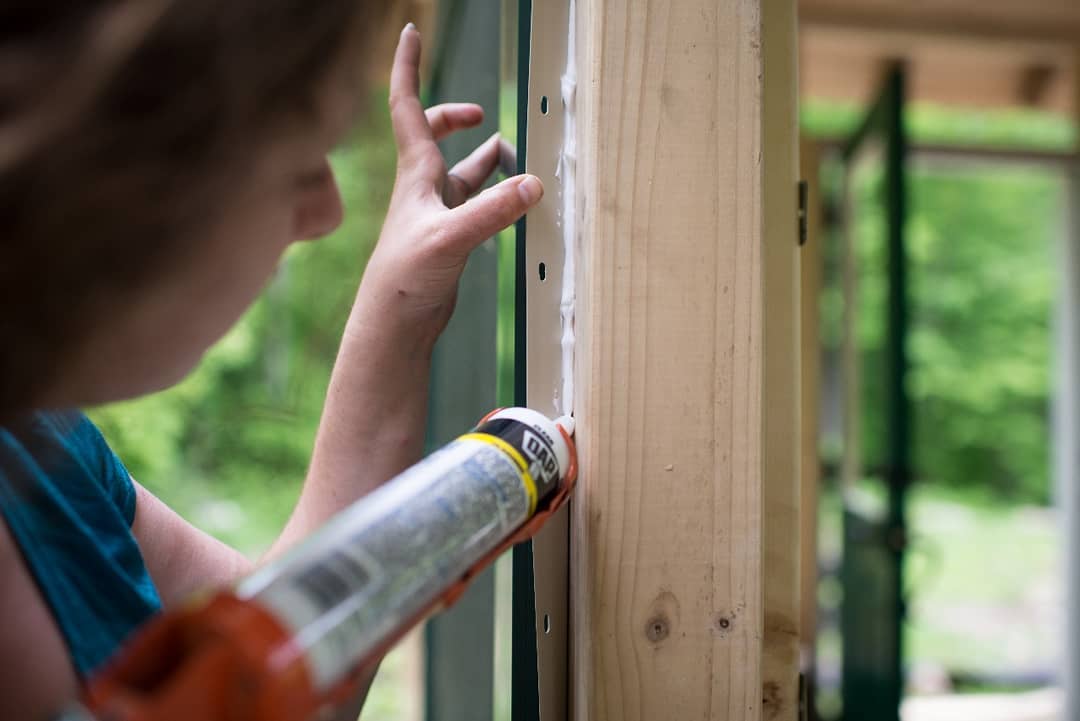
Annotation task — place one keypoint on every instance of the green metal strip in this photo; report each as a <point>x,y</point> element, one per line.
<point>874,606</point>
<point>525,693</point>
<point>898,472</point>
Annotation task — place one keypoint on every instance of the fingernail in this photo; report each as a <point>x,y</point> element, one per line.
<point>410,26</point>
<point>530,189</point>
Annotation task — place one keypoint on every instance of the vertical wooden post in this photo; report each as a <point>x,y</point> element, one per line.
<point>810,266</point>
<point>676,405</point>
<point>780,357</point>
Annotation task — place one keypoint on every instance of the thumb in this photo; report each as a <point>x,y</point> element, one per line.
<point>481,217</point>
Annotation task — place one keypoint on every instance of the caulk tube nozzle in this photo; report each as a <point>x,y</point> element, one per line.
<point>540,442</point>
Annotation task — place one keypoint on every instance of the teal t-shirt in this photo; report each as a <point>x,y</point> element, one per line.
<point>69,503</point>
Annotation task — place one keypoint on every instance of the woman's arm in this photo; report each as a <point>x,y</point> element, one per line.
<point>38,678</point>
<point>180,558</point>
<point>374,418</point>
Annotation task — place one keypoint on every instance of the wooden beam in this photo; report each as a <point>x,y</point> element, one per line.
<point>810,270</point>
<point>842,62</point>
<point>668,541</point>
<point>1035,81</point>
<point>780,356</point>
<point>1032,23</point>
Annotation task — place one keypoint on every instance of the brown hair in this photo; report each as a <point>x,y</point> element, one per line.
<point>120,121</point>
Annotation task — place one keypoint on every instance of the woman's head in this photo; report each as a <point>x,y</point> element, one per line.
<point>156,156</point>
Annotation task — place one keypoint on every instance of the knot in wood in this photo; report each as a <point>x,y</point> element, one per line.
<point>772,701</point>
<point>657,628</point>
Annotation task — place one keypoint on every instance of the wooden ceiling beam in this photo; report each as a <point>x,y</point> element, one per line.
<point>1035,83</point>
<point>842,63</point>
<point>1035,31</point>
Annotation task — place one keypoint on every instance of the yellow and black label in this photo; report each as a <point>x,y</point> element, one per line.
<point>530,449</point>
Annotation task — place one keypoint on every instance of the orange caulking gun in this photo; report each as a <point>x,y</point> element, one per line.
<point>298,636</point>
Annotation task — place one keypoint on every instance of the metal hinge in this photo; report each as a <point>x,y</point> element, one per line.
<point>804,194</point>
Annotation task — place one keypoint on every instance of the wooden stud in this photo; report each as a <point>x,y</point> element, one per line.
<point>810,267</point>
<point>668,544</point>
<point>780,152</point>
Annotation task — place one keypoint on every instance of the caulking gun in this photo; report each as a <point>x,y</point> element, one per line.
<point>297,637</point>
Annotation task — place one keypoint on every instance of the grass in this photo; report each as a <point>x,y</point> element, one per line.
<point>927,123</point>
<point>983,583</point>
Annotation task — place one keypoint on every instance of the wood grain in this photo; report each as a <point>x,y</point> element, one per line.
<point>667,545</point>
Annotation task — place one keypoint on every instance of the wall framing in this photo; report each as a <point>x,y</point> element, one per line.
<point>684,551</point>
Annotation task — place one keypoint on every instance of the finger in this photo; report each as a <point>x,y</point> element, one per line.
<point>470,224</point>
<point>470,174</point>
<point>450,117</point>
<point>411,127</point>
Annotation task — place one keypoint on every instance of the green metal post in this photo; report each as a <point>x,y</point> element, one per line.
<point>525,692</point>
<point>872,577</point>
<point>898,467</point>
<point>460,643</point>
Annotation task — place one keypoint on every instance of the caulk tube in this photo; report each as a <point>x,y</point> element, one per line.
<point>293,638</point>
<point>381,564</point>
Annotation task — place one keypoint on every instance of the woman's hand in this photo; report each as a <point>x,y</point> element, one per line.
<point>433,224</point>
<point>376,406</point>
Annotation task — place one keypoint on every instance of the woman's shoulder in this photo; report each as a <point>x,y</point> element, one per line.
<point>68,504</point>
<point>65,428</point>
<point>47,431</point>
<point>63,452</point>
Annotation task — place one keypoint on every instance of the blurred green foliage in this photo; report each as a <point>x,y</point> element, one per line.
<point>1029,129</point>
<point>981,243</point>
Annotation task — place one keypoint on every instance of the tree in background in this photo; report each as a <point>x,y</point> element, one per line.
<point>982,285</point>
<point>981,244</point>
